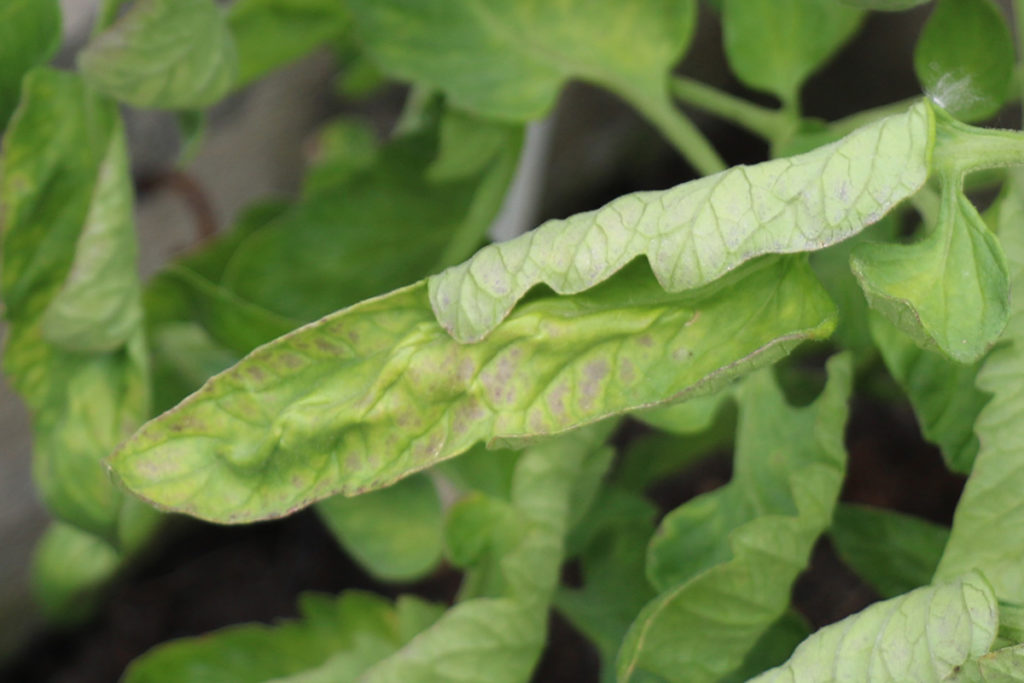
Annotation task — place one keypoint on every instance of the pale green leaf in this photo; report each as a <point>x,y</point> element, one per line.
<point>941,391</point>
<point>1000,666</point>
<point>372,393</point>
<point>167,54</point>
<point>54,151</point>
<point>271,33</point>
<point>29,35</point>
<point>498,637</point>
<point>893,552</point>
<point>99,304</point>
<point>346,635</point>
<point>694,233</point>
<point>814,30</point>
<point>68,568</point>
<point>922,636</point>
<point>509,60</point>
<point>950,290</point>
<point>989,516</point>
<point>964,58</point>
<point>82,407</point>
<point>63,168</point>
<point>394,533</point>
<point>724,563</point>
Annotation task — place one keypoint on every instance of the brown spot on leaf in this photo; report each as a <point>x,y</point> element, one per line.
<point>467,412</point>
<point>556,399</point>
<point>594,372</point>
<point>627,373</point>
<point>681,355</point>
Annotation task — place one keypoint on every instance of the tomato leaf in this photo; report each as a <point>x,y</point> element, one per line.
<point>696,232</point>
<point>168,54</point>
<point>377,391</point>
<point>964,58</point>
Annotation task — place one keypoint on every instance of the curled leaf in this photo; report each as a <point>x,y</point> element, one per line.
<point>950,291</point>
<point>694,233</point>
<point>372,393</point>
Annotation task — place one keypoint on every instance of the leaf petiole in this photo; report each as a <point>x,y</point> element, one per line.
<point>677,128</point>
<point>962,149</point>
<point>765,122</point>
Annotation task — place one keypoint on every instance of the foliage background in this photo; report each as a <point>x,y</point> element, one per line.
<point>598,150</point>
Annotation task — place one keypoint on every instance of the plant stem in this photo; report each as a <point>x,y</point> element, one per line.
<point>963,148</point>
<point>762,121</point>
<point>677,128</point>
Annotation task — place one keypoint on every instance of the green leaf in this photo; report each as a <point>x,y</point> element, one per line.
<point>964,58</point>
<point>183,357</point>
<point>832,266</point>
<point>375,392</point>
<point>773,648</point>
<point>694,233</point>
<point>29,35</point>
<point>509,60</point>
<point>271,33</point>
<point>479,531</point>
<point>394,533</point>
<point>68,568</point>
<point>312,260</point>
<point>814,30</point>
<point>62,144</point>
<point>893,552</point>
<point>921,636</point>
<point>948,291</point>
<point>886,5</point>
<point>344,636</point>
<point>499,637</point>
<point>343,147</point>
<point>238,324</point>
<point>989,516</point>
<point>84,407</point>
<point>724,563</point>
<point>690,417</point>
<point>482,469</point>
<point>1000,666</point>
<point>652,457</point>
<point>165,54</point>
<point>99,306</point>
<point>941,391</point>
<point>612,564</point>
<point>66,191</point>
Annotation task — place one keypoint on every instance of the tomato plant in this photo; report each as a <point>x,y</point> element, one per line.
<point>361,348</point>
